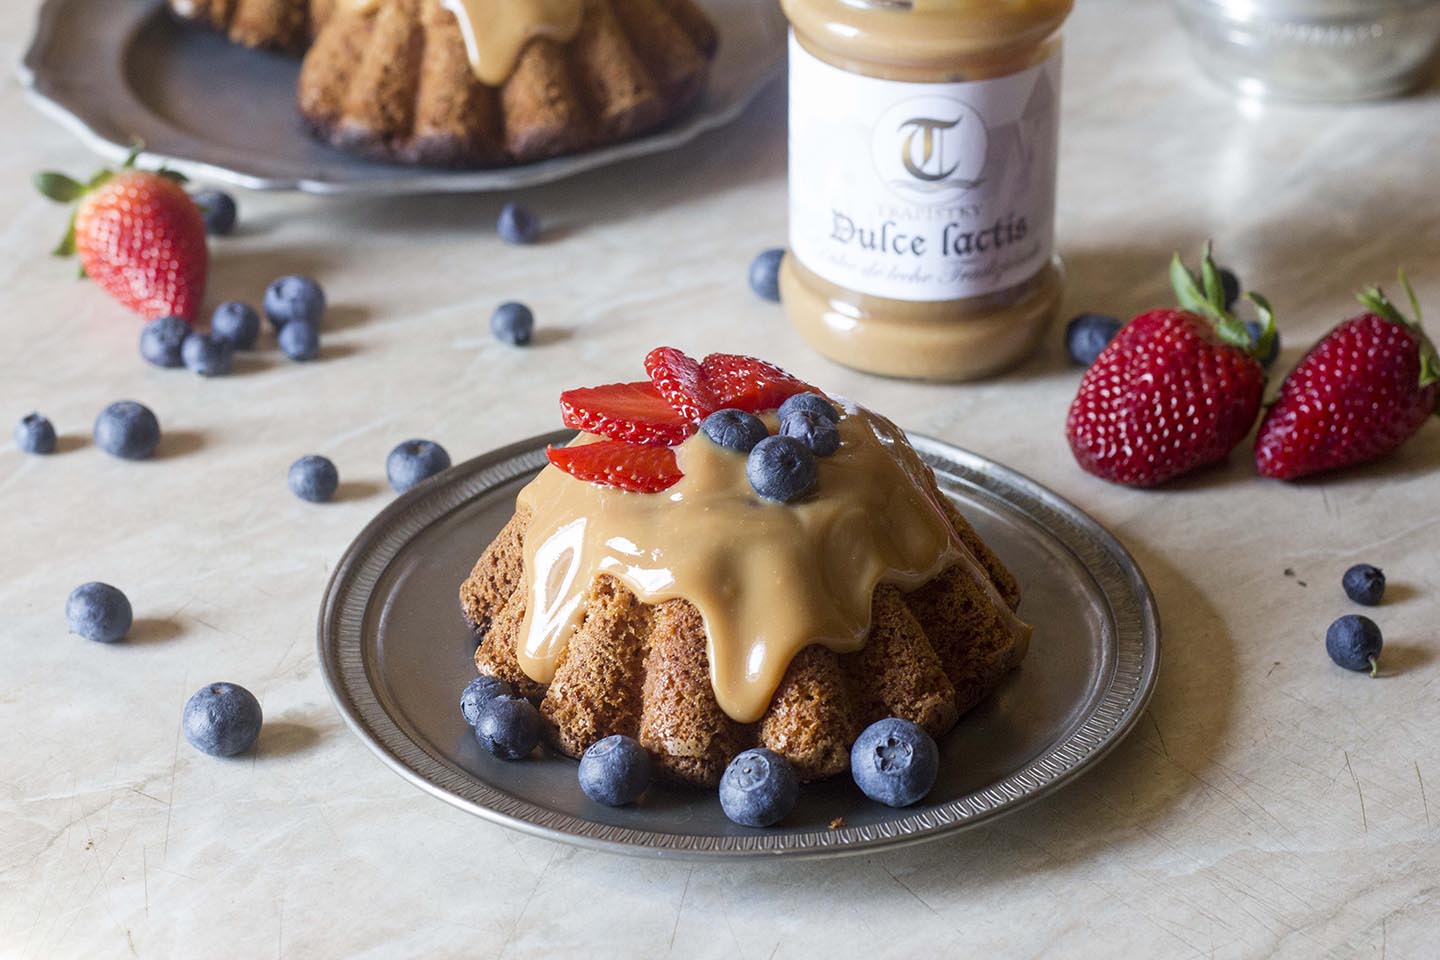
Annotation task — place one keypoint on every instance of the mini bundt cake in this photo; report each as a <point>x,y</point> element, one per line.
<point>401,79</point>
<point>649,585</point>
<point>479,83</point>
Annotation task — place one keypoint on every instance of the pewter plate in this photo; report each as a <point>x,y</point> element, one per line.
<point>396,653</point>
<point>114,71</point>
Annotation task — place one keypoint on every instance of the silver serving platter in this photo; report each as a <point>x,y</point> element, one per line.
<point>118,71</point>
<point>396,652</point>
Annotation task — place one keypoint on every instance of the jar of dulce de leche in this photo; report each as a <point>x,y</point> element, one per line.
<point>923,142</point>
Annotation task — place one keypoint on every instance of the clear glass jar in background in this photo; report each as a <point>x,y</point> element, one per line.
<point>1320,50</point>
<point>923,144</point>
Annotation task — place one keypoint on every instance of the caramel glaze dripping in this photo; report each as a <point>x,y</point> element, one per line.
<point>768,579</point>
<point>496,32</point>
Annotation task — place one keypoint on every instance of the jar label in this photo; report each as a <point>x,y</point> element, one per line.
<point>922,191</point>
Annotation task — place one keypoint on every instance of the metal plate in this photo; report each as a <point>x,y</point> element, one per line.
<point>396,653</point>
<point>118,70</point>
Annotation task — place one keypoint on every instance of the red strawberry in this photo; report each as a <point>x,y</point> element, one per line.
<point>681,382</point>
<point>1174,391</point>
<point>1361,392</point>
<point>139,236</point>
<point>634,412</point>
<point>749,384</point>
<point>615,463</point>
<point>721,380</point>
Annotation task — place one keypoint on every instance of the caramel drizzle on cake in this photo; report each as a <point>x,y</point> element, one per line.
<point>496,32</point>
<point>768,579</point>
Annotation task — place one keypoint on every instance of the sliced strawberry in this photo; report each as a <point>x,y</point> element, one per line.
<point>749,384</point>
<point>615,463</point>
<point>681,382</point>
<point>634,412</point>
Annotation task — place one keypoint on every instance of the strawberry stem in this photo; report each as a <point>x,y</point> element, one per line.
<point>58,187</point>
<point>1210,304</point>
<point>66,246</point>
<point>1266,340</point>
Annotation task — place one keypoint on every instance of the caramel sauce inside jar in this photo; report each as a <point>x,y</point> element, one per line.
<point>965,89</point>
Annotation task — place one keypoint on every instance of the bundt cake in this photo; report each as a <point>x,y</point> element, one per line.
<point>647,586</point>
<point>284,25</point>
<point>479,83</point>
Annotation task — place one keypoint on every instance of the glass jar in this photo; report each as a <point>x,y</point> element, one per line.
<point>923,142</point>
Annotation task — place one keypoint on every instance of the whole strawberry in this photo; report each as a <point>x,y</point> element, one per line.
<point>1175,390</point>
<point>1361,392</point>
<point>139,236</point>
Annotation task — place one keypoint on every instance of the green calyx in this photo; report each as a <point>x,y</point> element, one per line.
<point>1374,300</point>
<point>69,191</point>
<point>1207,298</point>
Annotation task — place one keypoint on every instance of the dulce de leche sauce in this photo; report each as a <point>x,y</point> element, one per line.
<point>496,32</point>
<point>923,141</point>
<point>768,578</point>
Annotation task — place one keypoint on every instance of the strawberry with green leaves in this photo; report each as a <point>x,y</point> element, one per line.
<point>1360,393</point>
<point>138,235</point>
<point>1175,390</point>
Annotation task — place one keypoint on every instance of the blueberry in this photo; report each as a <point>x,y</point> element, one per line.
<point>758,788</point>
<point>313,478</point>
<point>1088,334</point>
<point>294,298</point>
<point>235,323</point>
<point>479,692</point>
<point>299,341</point>
<point>414,461</point>
<point>161,339</point>
<point>513,323</point>
<point>207,356</point>
<point>99,612</point>
<point>765,274</point>
<point>894,762</point>
<point>1364,584</point>
<point>615,771</point>
<point>1354,643</point>
<point>734,429</point>
<point>782,468</point>
<point>508,727</point>
<point>1253,328</point>
<point>1229,283</point>
<point>218,209</point>
<point>817,432</point>
<point>812,402</point>
<point>127,430</point>
<point>222,719</point>
<point>35,434</point>
<point>517,225</point>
